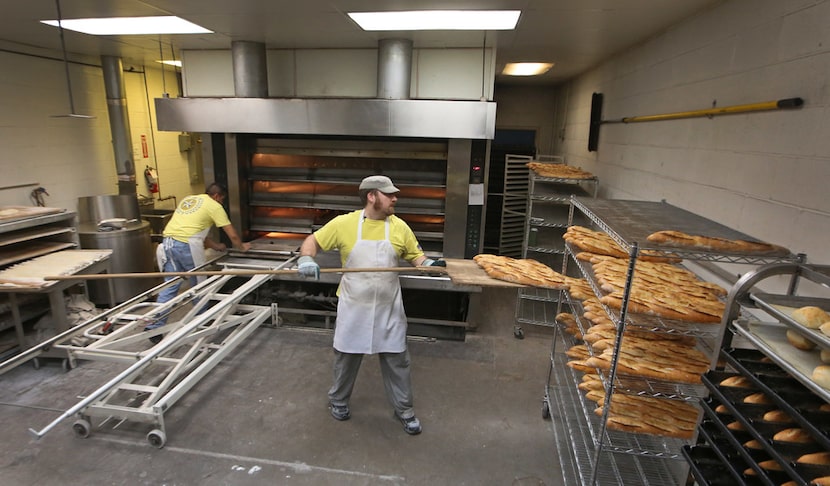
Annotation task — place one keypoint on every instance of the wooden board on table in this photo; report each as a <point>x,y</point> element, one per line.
<point>467,272</point>
<point>14,213</point>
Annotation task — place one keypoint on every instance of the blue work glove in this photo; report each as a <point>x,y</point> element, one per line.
<point>308,268</point>
<point>429,262</point>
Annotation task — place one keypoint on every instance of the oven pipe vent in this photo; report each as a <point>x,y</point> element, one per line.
<point>394,68</point>
<point>119,124</point>
<point>250,70</point>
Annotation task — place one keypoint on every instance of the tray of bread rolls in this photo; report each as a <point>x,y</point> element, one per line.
<point>781,345</point>
<point>784,421</point>
<point>809,317</point>
<point>716,459</point>
<point>797,404</point>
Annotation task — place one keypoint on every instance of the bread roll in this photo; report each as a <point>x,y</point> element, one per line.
<point>723,409</point>
<point>825,328</point>
<point>770,465</point>
<point>737,426</point>
<point>739,381</point>
<point>810,316</point>
<point>796,435</point>
<point>825,354</point>
<point>824,407</point>
<point>819,458</point>
<point>777,416</point>
<point>821,375</point>
<point>753,444</point>
<point>822,481</point>
<point>799,341</point>
<point>759,398</point>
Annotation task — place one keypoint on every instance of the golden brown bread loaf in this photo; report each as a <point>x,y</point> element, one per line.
<point>822,481</point>
<point>821,375</point>
<point>819,458</point>
<point>753,444</point>
<point>739,381</point>
<point>759,398</point>
<point>810,316</point>
<point>778,416</point>
<point>825,328</point>
<point>795,434</point>
<point>825,355</point>
<point>799,341</point>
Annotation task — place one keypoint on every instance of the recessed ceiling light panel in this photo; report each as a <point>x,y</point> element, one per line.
<point>131,25</point>
<point>437,20</point>
<point>526,68</point>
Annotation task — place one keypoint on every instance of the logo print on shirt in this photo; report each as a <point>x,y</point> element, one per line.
<point>190,204</point>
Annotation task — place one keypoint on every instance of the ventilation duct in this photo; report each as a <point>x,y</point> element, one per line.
<point>394,69</point>
<point>119,123</point>
<point>250,69</point>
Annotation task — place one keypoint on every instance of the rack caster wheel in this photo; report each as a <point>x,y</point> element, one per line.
<point>545,410</point>
<point>66,364</point>
<point>81,428</point>
<point>518,333</point>
<point>156,438</point>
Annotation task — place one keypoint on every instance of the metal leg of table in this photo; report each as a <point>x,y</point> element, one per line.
<point>18,321</point>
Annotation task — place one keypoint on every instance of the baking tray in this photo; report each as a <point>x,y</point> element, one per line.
<point>710,379</point>
<point>771,338</point>
<point>709,468</point>
<point>782,307</point>
<point>821,436</point>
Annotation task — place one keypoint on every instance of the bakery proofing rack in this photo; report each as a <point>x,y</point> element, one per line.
<point>534,306</point>
<point>630,222</point>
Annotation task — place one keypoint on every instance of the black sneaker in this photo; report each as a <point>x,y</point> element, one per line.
<point>340,412</point>
<point>411,425</point>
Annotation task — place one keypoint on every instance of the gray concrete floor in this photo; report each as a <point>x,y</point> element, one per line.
<point>261,417</point>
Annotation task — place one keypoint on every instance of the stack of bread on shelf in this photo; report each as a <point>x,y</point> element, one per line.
<point>681,240</point>
<point>643,355</point>
<point>558,171</point>
<point>658,287</point>
<point>818,321</point>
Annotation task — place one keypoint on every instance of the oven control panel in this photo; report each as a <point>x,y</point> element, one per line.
<point>475,202</point>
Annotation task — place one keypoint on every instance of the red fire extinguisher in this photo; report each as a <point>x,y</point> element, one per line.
<point>152,178</point>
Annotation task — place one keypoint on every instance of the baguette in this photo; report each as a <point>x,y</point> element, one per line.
<point>796,435</point>
<point>818,458</point>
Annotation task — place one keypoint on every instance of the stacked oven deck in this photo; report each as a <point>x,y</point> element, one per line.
<point>289,187</point>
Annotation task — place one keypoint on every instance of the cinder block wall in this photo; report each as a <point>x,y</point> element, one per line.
<point>767,173</point>
<point>73,158</point>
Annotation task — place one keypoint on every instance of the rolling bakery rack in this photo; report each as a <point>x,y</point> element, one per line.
<point>589,452</point>
<point>739,441</point>
<point>548,216</point>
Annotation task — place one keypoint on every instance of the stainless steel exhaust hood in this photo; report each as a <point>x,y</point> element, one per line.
<point>324,116</point>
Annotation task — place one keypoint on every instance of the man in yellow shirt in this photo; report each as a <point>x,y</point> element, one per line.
<point>370,313</point>
<point>185,240</point>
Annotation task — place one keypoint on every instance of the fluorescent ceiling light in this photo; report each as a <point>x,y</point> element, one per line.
<point>526,68</point>
<point>131,25</point>
<point>438,20</point>
<point>177,63</point>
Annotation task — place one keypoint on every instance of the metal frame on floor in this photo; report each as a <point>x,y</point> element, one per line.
<point>158,377</point>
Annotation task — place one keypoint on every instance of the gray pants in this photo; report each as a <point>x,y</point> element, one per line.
<point>394,368</point>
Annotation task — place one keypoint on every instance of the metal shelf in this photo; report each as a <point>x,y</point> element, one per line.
<point>629,222</point>
<point>623,457</point>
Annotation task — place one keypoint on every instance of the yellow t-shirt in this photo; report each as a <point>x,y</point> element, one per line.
<point>341,233</point>
<point>194,217</point>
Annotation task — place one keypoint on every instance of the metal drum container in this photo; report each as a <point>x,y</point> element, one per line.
<point>131,245</point>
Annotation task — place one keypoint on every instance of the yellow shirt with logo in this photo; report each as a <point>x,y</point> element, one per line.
<point>341,233</point>
<point>194,217</point>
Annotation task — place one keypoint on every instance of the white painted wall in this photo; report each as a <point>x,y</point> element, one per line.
<point>766,173</point>
<point>528,108</point>
<point>452,73</point>
<point>72,158</point>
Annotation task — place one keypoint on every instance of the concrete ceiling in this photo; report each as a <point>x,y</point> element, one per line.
<point>574,34</point>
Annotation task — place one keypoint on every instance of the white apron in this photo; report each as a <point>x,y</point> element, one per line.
<point>370,314</point>
<point>197,252</point>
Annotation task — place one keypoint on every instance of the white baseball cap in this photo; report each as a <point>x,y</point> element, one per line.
<point>379,182</point>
